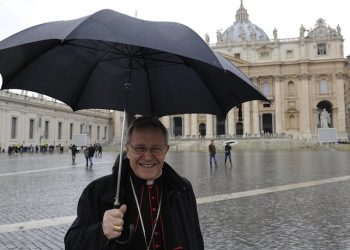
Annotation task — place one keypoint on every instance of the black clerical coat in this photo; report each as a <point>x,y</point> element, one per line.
<point>179,212</point>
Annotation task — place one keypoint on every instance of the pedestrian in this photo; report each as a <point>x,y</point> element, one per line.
<point>91,151</point>
<point>228,153</point>
<point>160,203</point>
<point>100,151</point>
<point>86,154</point>
<point>212,153</point>
<point>74,152</point>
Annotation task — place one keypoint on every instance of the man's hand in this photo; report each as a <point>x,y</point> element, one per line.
<point>112,224</point>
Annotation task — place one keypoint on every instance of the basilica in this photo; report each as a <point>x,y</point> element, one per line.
<point>300,76</point>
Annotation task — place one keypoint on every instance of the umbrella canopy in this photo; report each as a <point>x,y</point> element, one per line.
<point>230,142</point>
<point>109,60</point>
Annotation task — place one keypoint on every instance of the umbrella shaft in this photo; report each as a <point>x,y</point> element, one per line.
<point>116,202</point>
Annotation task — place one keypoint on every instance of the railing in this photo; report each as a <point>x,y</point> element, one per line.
<point>245,136</point>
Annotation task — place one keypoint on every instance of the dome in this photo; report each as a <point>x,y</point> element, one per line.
<point>242,29</point>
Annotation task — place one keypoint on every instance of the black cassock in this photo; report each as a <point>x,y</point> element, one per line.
<point>177,228</point>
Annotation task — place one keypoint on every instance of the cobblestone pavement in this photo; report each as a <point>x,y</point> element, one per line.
<point>266,200</point>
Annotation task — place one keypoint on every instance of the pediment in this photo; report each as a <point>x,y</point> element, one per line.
<point>235,61</point>
<point>292,110</point>
<point>264,48</point>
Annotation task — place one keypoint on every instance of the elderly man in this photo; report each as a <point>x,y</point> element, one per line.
<point>156,200</point>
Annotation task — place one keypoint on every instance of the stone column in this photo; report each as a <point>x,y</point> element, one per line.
<point>231,126</point>
<point>209,127</point>
<point>256,125</point>
<point>54,129</point>
<point>21,131</point>
<point>279,104</point>
<point>246,118</point>
<point>187,126</point>
<point>3,140</point>
<point>305,105</point>
<point>166,122</point>
<point>194,126</point>
<point>341,105</point>
<point>117,125</point>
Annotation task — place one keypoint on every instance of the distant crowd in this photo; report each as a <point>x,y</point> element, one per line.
<point>89,152</point>
<point>20,149</point>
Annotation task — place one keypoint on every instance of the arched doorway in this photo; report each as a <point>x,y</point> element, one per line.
<point>202,130</point>
<point>267,123</point>
<point>177,128</point>
<point>329,108</point>
<point>239,128</point>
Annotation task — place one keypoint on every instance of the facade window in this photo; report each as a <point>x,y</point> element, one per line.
<point>264,55</point>
<point>266,88</point>
<point>237,55</point>
<point>293,122</point>
<point>13,127</point>
<point>266,105</point>
<point>291,88</point>
<point>321,49</point>
<point>71,131</point>
<point>90,130</point>
<point>105,134</point>
<point>324,87</point>
<point>81,128</point>
<point>59,136</point>
<point>31,129</point>
<point>46,132</point>
<point>289,53</point>
<point>98,133</point>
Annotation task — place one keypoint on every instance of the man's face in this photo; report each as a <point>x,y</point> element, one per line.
<point>146,165</point>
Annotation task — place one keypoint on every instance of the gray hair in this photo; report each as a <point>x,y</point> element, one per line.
<point>148,122</point>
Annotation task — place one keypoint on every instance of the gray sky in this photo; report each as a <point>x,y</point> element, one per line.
<point>202,16</point>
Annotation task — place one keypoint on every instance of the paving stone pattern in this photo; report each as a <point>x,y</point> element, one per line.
<point>316,217</point>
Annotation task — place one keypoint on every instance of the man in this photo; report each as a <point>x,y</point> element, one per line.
<point>212,153</point>
<point>91,151</point>
<point>74,152</point>
<point>228,153</point>
<point>155,199</point>
<point>86,154</point>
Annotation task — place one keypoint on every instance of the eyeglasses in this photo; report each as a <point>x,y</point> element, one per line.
<point>141,149</point>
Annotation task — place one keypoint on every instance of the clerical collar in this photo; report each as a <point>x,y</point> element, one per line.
<point>139,181</point>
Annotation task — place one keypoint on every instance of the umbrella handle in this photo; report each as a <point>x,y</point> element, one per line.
<point>131,236</point>
<point>131,232</point>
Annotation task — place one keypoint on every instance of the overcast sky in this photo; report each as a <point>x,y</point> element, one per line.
<point>203,16</point>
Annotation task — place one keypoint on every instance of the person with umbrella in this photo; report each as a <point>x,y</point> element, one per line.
<point>228,153</point>
<point>108,60</point>
<point>158,202</point>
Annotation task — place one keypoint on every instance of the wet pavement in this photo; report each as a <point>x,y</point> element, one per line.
<point>266,200</point>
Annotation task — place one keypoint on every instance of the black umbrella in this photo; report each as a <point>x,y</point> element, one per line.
<point>85,63</point>
<point>109,60</point>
